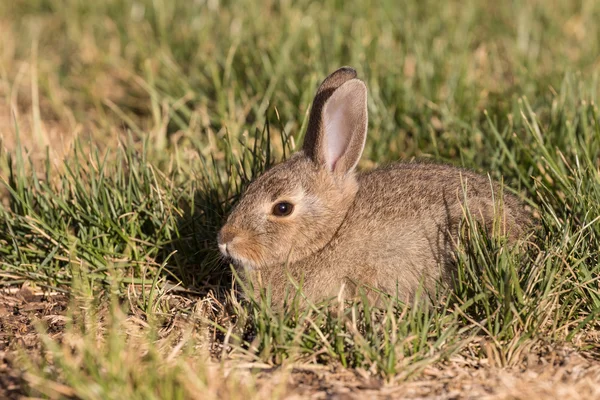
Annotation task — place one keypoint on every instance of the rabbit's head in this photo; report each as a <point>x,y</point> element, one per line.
<point>294,209</point>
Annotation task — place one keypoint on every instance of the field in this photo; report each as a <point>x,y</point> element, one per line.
<point>128,129</point>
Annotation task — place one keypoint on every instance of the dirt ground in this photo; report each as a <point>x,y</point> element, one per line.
<point>20,309</point>
<point>545,373</point>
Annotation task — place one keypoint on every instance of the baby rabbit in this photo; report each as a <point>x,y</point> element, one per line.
<point>315,219</point>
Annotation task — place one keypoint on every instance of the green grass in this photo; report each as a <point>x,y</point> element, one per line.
<point>173,107</point>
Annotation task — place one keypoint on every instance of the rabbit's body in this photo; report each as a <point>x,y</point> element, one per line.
<point>393,240</point>
<point>391,228</point>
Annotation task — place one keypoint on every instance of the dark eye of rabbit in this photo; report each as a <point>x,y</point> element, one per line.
<point>283,209</point>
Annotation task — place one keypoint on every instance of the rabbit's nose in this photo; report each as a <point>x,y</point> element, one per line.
<point>223,248</point>
<point>226,236</point>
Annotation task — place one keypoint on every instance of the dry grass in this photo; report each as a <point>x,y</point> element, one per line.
<point>541,371</point>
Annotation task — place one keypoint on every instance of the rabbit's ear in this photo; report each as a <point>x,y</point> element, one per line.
<point>345,126</point>
<point>338,122</point>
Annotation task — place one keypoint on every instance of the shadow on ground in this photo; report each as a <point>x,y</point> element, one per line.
<point>193,258</point>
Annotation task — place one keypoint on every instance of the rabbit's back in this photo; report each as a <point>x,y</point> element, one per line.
<point>403,226</point>
<point>402,191</point>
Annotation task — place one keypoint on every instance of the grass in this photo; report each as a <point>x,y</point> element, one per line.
<point>129,128</point>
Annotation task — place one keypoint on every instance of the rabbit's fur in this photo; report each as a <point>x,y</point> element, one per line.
<point>391,228</point>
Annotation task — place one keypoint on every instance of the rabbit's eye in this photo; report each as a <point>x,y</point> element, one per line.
<point>283,209</point>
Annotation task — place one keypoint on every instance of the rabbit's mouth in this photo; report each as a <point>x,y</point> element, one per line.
<point>231,254</point>
<point>242,248</point>
<point>242,264</point>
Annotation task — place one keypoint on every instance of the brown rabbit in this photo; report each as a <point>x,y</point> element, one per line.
<point>316,220</point>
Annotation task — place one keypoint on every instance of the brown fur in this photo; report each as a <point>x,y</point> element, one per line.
<point>391,228</point>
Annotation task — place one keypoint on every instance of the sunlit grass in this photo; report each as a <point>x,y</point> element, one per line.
<point>129,128</point>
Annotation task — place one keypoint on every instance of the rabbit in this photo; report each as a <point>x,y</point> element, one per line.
<point>315,219</point>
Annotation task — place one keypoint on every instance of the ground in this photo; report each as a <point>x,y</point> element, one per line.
<point>545,371</point>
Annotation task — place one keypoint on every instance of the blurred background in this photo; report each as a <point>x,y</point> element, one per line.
<point>194,70</point>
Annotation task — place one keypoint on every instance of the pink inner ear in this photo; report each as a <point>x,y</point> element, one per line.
<point>337,130</point>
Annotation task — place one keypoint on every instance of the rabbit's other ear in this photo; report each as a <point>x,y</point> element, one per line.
<point>345,126</point>
<point>338,122</point>
<point>315,122</point>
